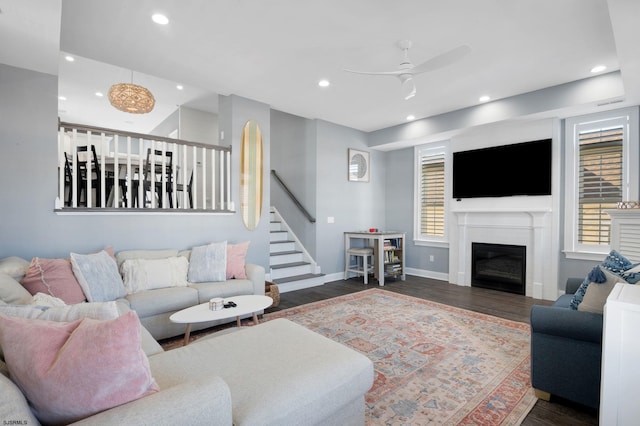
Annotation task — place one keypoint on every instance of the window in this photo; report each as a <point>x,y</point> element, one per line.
<point>600,173</point>
<point>599,182</point>
<point>431,190</point>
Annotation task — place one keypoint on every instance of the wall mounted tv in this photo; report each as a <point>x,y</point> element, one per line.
<point>503,171</point>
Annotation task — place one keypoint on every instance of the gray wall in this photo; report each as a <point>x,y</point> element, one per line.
<point>198,126</point>
<point>311,157</point>
<point>354,205</point>
<point>400,192</point>
<point>293,152</point>
<point>28,225</point>
<point>28,125</point>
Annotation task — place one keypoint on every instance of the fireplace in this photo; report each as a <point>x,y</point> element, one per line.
<point>498,267</point>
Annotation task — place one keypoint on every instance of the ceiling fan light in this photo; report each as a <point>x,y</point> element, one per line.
<point>131,98</point>
<point>408,88</point>
<point>160,19</point>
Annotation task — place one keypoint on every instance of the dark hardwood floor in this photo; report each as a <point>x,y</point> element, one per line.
<point>505,305</point>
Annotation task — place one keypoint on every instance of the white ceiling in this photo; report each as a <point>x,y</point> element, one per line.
<point>276,51</point>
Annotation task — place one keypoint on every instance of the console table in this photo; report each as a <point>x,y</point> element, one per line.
<point>383,266</point>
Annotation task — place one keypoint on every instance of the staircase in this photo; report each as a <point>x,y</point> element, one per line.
<point>292,268</point>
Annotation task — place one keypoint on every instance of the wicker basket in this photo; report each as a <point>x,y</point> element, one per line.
<point>271,290</point>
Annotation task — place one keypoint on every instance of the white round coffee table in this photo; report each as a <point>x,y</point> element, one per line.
<point>246,304</point>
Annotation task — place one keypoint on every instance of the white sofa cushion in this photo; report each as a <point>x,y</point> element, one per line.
<point>11,291</point>
<point>309,376</point>
<point>14,266</point>
<point>13,404</point>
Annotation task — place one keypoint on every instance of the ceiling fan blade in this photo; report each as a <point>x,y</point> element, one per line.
<point>442,60</point>
<point>408,88</point>
<point>398,72</point>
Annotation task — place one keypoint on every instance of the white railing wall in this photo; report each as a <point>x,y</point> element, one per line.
<point>199,178</point>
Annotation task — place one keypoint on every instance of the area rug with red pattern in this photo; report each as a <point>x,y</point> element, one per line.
<point>434,364</point>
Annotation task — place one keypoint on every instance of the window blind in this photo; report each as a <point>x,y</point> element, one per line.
<point>432,195</point>
<point>599,182</point>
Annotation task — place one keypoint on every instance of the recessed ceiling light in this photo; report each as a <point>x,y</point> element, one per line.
<point>62,98</point>
<point>69,58</point>
<point>179,87</point>
<point>598,68</point>
<point>159,18</point>
<point>411,117</point>
<point>484,98</point>
<point>99,94</point>
<point>324,83</point>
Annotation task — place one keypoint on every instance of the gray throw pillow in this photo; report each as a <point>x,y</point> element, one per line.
<point>98,276</point>
<point>208,263</point>
<point>595,297</point>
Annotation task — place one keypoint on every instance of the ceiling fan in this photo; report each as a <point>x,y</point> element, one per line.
<point>407,70</point>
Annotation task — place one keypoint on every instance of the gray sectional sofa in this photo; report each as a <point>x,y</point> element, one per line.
<point>154,307</point>
<point>275,373</point>
<point>303,378</point>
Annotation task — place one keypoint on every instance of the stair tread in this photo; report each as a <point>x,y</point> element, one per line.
<point>282,253</point>
<point>274,232</point>
<point>282,242</point>
<point>296,278</point>
<point>290,265</point>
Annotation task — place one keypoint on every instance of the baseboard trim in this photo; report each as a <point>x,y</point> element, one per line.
<point>442,276</point>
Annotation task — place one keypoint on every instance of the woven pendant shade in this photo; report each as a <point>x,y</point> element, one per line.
<point>131,98</point>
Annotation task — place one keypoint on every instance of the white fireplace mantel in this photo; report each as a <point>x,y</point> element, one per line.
<point>529,227</point>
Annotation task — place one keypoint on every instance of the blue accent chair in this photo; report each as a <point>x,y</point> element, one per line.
<point>566,350</point>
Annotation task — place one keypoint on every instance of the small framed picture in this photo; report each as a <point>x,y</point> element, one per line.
<point>358,166</point>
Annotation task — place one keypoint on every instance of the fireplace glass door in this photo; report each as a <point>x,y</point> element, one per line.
<point>498,267</point>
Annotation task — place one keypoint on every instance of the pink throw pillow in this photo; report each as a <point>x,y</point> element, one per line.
<point>72,370</point>
<point>236,254</point>
<point>55,278</point>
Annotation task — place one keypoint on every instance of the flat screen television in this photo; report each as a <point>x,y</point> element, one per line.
<point>503,171</point>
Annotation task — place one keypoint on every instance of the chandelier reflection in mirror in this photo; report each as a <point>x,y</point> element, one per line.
<point>131,98</point>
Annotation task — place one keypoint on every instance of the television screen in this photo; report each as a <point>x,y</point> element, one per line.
<point>503,171</point>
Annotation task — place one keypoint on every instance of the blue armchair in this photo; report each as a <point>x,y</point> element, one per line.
<point>566,350</point>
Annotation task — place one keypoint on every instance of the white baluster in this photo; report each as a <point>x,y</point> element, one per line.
<point>61,167</point>
<point>213,180</point>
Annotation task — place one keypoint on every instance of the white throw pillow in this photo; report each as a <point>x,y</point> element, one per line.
<point>148,274</point>
<point>98,311</point>
<point>43,299</point>
<point>208,263</point>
